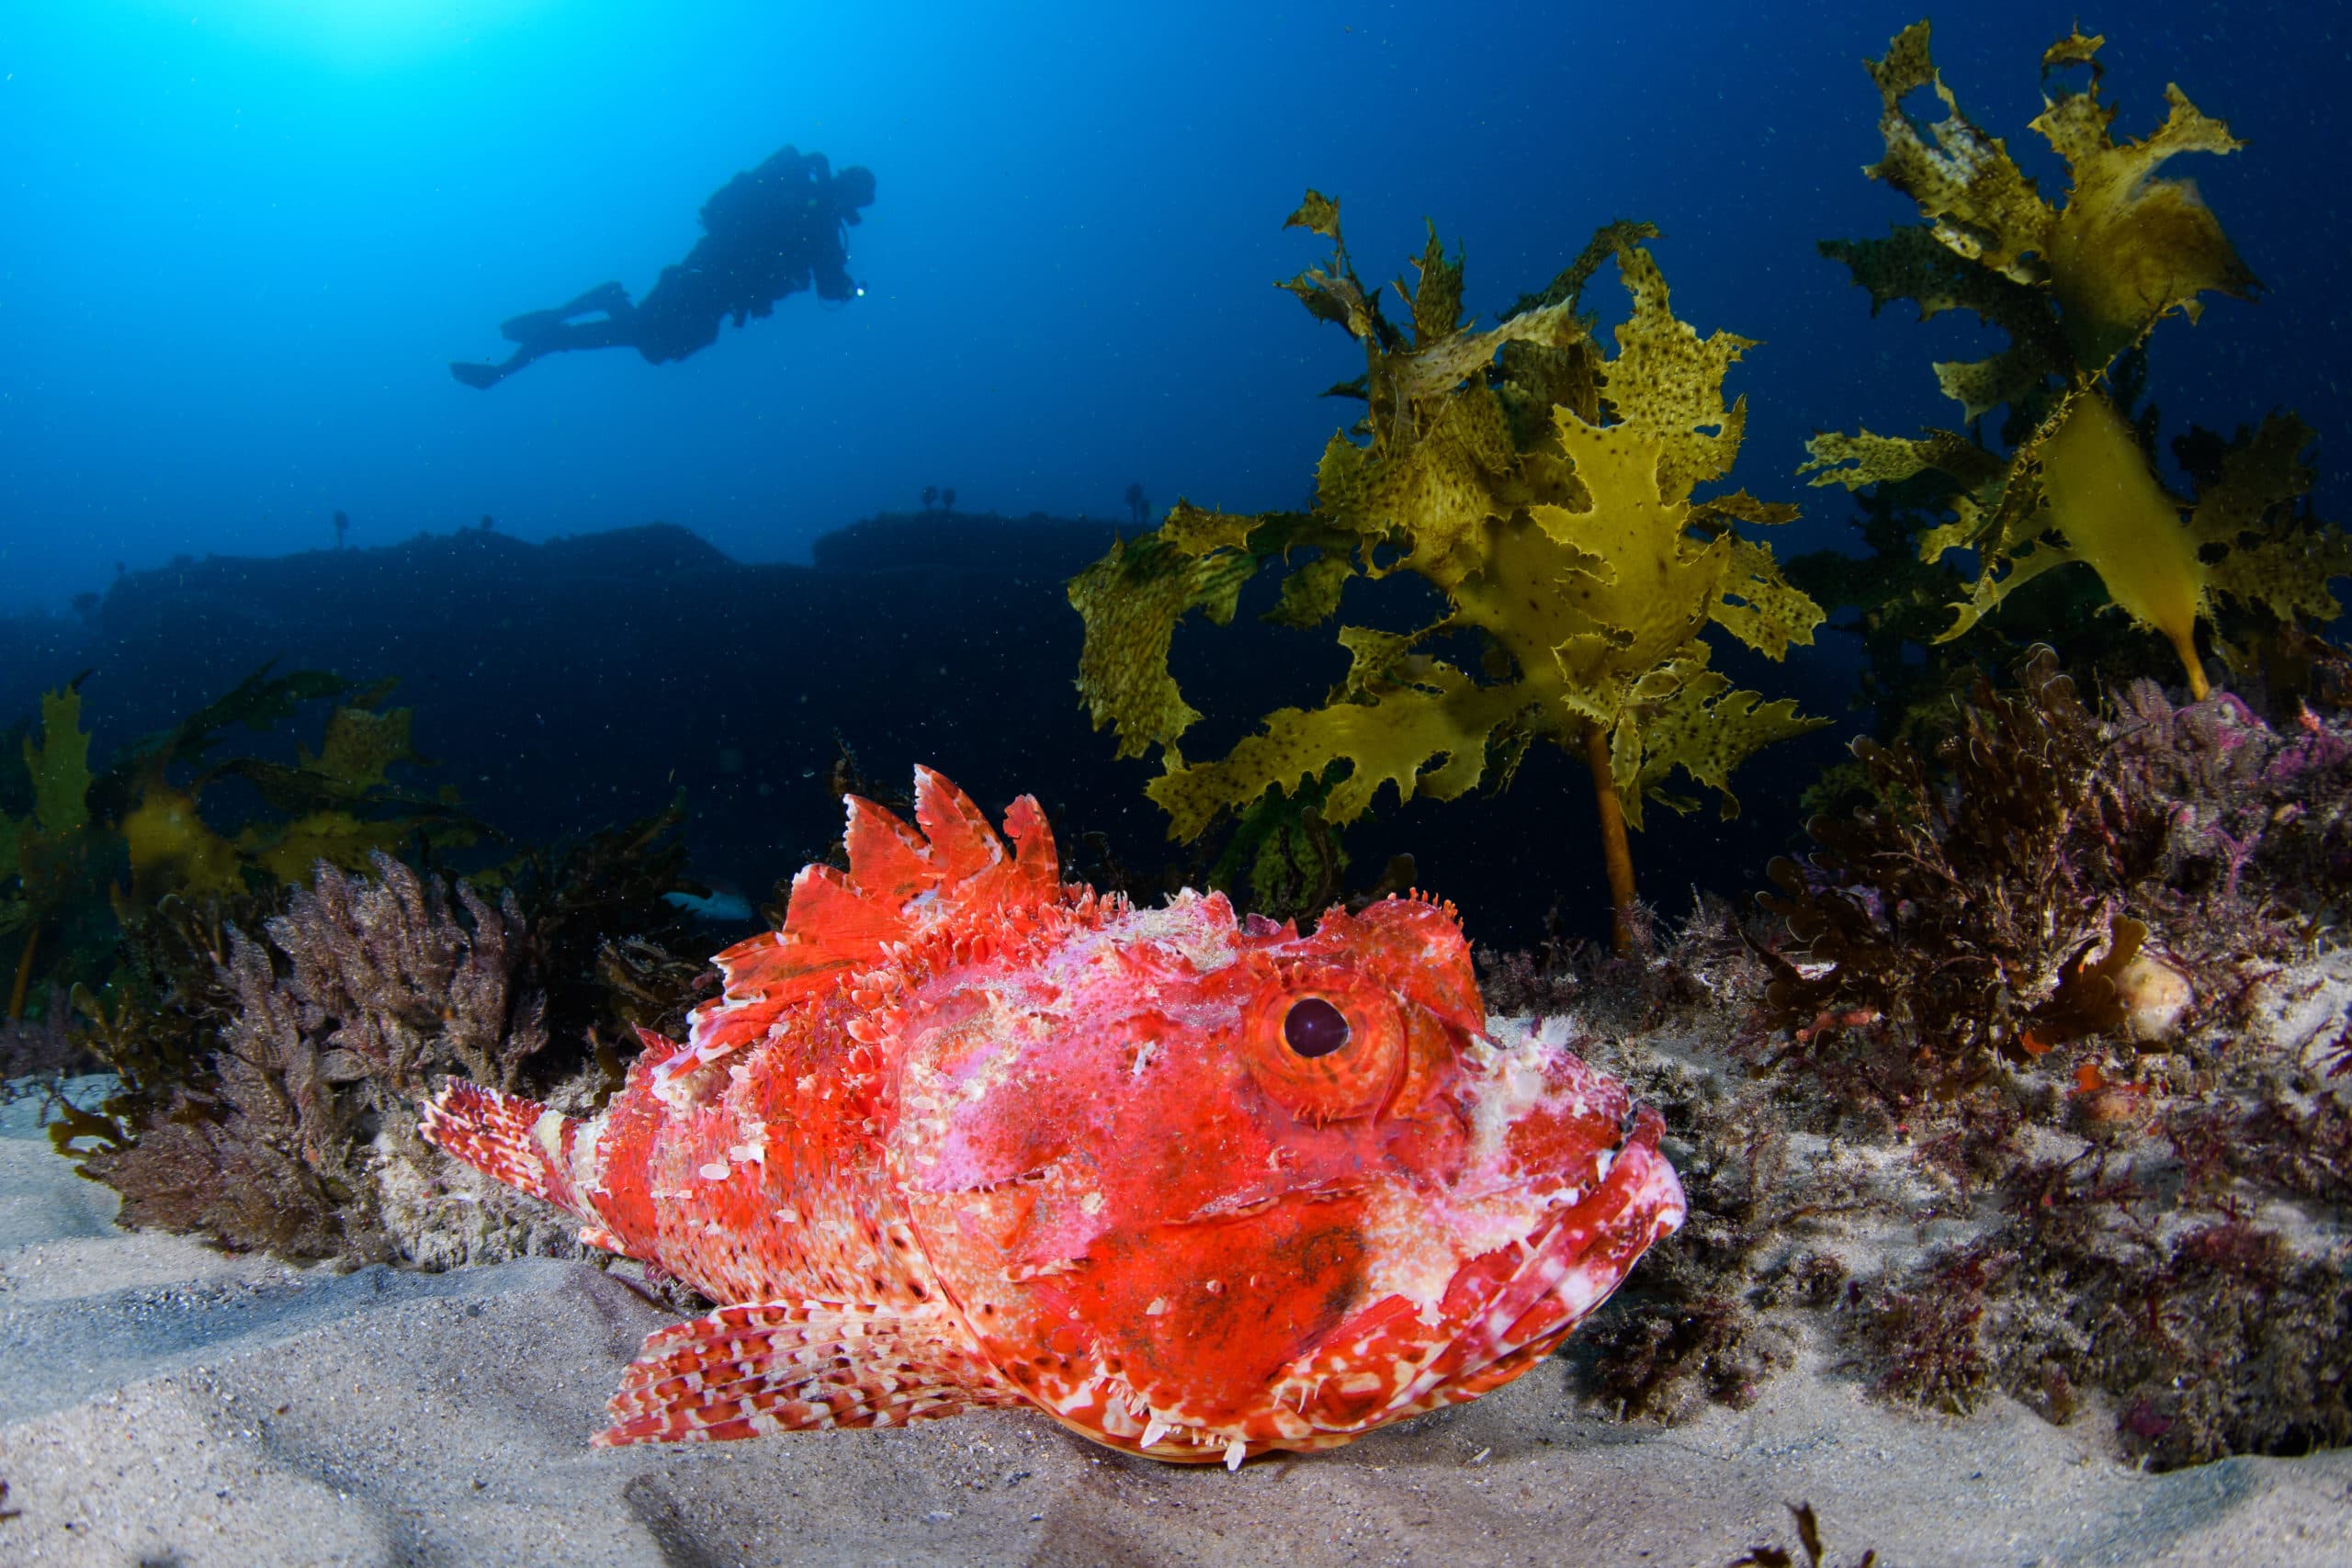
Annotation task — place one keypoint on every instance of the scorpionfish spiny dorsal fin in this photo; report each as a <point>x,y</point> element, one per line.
<point>955,873</point>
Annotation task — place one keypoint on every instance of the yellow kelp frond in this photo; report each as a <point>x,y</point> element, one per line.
<point>1402,383</point>
<point>173,849</point>
<point>258,702</point>
<point>2282,563</point>
<point>1707,730</point>
<point>1310,594</point>
<point>2075,49</point>
<point>2104,499</point>
<point>2130,248</point>
<point>1375,658</point>
<point>1318,212</point>
<point>1426,738</point>
<point>2077,290</point>
<point>1760,608</point>
<point>1436,369</point>
<point>1441,444</point>
<point>1647,570</point>
<point>339,804</point>
<point>1981,205</point>
<point>47,847</point>
<point>1667,383</point>
<point>1436,299</point>
<point>1285,854</point>
<point>2101,504</point>
<point>1608,242</point>
<point>1740,507</point>
<point>1911,263</point>
<point>1196,531</point>
<point>1657,586</point>
<point>359,747</point>
<point>1131,601</point>
<point>1980,386</point>
<point>2125,251</point>
<point>1862,460</point>
<point>1337,295</point>
<point>62,866</point>
<point>290,851</point>
<point>1429,490</point>
<point>2260,472</point>
<point>1997,583</point>
<point>60,768</point>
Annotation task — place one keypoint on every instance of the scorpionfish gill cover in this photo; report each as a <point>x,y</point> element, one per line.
<point>963,1135</point>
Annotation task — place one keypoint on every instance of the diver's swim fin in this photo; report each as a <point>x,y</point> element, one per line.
<point>609,298</point>
<point>537,326</point>
<point>480,377</point>
<point>532,326</point>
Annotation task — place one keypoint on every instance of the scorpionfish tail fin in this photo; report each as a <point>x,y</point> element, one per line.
<point>900,883</point>
<point>796,1366</point>
<point>513,1140</point>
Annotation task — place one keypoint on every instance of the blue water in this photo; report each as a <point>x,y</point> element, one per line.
<point>243,240</point>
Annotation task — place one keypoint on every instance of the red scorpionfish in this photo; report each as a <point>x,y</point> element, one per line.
<point>962,1134</point>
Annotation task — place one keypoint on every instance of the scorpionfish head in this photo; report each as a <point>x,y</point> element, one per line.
<point>1203,1188</point>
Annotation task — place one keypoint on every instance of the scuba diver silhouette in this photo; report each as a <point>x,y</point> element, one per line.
<point>767,232</point>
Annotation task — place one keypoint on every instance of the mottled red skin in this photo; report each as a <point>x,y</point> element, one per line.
<point>980,1138</point>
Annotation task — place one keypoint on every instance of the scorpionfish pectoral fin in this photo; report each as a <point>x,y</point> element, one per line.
<point>797,1367</point>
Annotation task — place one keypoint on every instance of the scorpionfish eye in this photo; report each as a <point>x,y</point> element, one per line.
<point>1325,1043</point>
<point>1315,1027</point>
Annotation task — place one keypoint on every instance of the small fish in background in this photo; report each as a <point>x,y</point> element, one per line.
<point>963,1135</point>
<point>722,906</point>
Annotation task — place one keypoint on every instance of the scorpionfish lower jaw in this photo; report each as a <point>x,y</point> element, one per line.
<point>1498,1317</point>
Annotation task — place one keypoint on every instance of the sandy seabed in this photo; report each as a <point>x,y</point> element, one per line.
<point>160,1404</point>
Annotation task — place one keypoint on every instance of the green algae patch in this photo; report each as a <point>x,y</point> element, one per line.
<point>100,850</point>
<point>45,854</point>
<point>1546,491</point>
<point>192,912</point>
